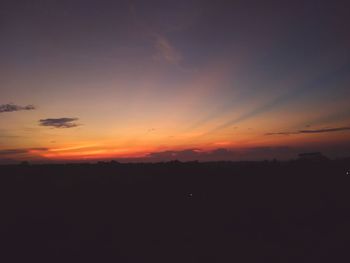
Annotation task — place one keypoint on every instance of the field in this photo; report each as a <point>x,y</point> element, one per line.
<point>176,212</point>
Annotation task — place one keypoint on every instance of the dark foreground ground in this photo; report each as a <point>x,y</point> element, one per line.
<point>176,212</point>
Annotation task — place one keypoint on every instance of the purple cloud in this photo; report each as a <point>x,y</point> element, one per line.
<point>59,122</point>
<point>13,107</point>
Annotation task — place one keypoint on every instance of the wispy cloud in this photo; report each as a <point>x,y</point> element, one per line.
<point>20,151</point>
<point>166,51</point>
<point>8,136</point>
<point>310,131</point>
<point>59,122</point>
<point>224,154</point>
<point>169,155</point>
<point>326,130</point>
<point>10,107</point>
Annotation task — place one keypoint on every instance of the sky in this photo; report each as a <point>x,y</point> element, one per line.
<point>162,80</point>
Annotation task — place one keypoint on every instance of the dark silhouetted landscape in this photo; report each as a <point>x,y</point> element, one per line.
<point>270,211</point>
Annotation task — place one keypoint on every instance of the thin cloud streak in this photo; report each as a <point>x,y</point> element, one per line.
<point>10,107</point>
<point>222,154</point>
<point>21,151</point>
<point>59,122</point>
<point>166,51</point>
<point>310,131</point>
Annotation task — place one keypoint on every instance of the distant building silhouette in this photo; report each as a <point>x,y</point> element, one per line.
<point>312,156</point>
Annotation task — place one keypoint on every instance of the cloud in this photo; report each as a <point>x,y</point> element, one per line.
<point>311,131</point>
<point>13,107</point>
<point>165,51</point>
<point>192,154</point>
<point>224,154</point>
<point>279,133</point>
<point>9,136</point>
<point>188,154</point>
<point>21,151</point>
<point>59,122</point>
<point>151,130</point>
<point>12,156</point>
<point>326,130</point>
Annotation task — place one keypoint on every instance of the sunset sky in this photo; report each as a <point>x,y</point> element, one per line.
<point>159,80</point>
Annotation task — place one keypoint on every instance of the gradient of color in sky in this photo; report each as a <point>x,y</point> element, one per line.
<point>158,80</point>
